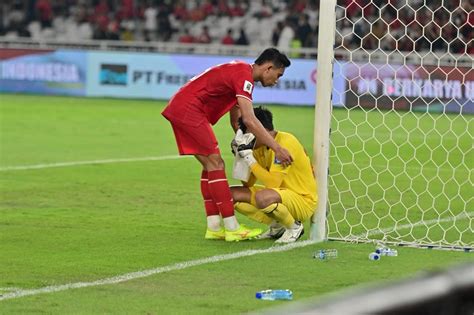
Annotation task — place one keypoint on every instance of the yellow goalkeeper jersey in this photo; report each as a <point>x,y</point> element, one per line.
<point>299,176</point>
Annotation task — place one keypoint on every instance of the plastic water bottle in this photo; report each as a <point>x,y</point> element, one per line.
<point>272,295</point>
<point>326,254</point>
<point>385,251</point>
<point>374,256</point>
<point>391,252</point>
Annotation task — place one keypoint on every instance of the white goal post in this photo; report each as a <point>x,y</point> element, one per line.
<point>322,114</point>
<point>394,123</point>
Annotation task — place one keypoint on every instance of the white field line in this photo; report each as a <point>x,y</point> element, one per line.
<point>150,272</point>
<point>9,289</point>
<point>408,135</point>
<point>76,163</point>
<point>441,169</point>
<point>183,265</point>
<point>169,157</point>
<point>419,223</point>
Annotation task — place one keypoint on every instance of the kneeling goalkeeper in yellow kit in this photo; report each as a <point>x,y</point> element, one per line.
<point>287,196</point>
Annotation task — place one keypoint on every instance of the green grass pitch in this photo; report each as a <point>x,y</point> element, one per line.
<point>86,222</point>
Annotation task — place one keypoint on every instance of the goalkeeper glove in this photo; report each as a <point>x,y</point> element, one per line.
<point>238,138</point>
<point>233,147</point>
<point>242,141</point>
<point>247,155</point>
<point>240,170</point>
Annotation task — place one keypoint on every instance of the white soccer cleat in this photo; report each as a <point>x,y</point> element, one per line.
<point>275,230</point>
<point>291,235</point>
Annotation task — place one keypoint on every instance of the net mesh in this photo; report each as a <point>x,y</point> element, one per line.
<point>401,155</point>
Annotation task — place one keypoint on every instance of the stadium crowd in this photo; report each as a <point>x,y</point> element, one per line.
<point>384,24</point>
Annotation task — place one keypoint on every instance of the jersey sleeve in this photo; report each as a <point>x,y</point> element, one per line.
<point>243,84</point>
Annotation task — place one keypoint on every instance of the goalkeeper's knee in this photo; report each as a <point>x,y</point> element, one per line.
<point>269,209</point>
<point>280,213</point>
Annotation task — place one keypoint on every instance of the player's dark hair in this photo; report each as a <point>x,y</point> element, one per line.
<point>263,115</point>
<point>273,55</point>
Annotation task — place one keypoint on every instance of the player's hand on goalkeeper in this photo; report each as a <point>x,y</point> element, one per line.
<point>283,156</point>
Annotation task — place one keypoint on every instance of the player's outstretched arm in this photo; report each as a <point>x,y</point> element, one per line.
<point>234,117</point>
<point>255,127</point>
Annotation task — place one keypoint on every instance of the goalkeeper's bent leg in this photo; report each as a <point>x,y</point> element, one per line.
<point>252,212</point>
<point>280,213</point>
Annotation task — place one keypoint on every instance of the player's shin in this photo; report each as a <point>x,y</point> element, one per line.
<point>220,192</point>
<point>280,213</point>
<point>212,212</point>
<point>252,212</point>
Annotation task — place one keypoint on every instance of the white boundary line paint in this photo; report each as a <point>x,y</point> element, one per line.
<point>150,272</point>
<point>76,163</point>
<point>10,289</point>
<point>197,262</point>
<point>407,226</point>
<point>169,157</point>
<point>405,167</point>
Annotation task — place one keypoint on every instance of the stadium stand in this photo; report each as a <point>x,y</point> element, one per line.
<point>285,24</point>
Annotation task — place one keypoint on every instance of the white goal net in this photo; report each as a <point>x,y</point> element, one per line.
<point>401,154</point>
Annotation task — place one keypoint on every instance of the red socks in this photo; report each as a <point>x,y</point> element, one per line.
<point>209,204</point>
<point>218,190</point>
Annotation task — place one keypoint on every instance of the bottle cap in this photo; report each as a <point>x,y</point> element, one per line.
<point>374,256</point>
<point>258,295</point>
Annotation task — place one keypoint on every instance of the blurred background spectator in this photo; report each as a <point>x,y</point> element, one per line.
<point>382,24</point>
<point>242,40</point>
<point>204,37</point>
<point>228,39</point>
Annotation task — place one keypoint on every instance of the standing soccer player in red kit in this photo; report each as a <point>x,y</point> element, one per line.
<point>198,105</point>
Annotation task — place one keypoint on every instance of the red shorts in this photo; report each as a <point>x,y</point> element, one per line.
<point>195,140</point>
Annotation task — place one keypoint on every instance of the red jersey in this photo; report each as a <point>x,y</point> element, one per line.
<point>208,96</point>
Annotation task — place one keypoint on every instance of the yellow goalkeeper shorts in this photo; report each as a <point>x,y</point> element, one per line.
<point>300,207</point>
